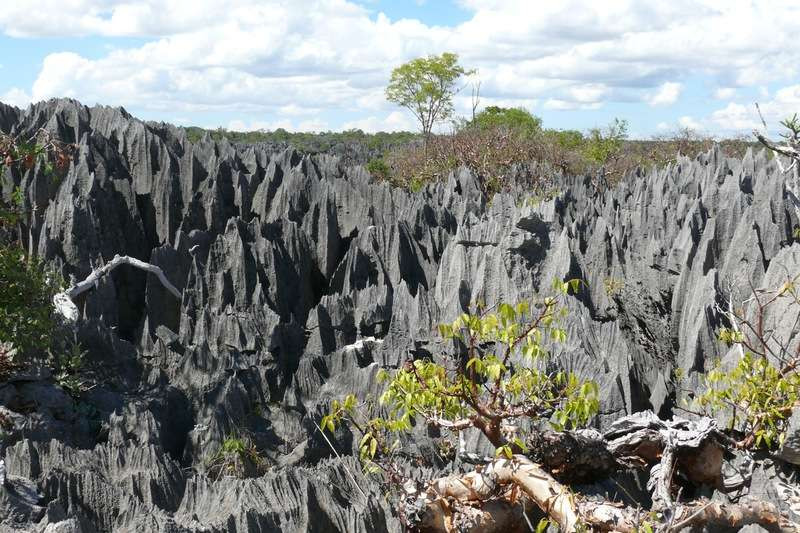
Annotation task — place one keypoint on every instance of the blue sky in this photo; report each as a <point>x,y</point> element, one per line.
<point>322,64</point>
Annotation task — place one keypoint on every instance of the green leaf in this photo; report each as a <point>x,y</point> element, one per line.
<point>574,285</point>
<point>373,447</point>
<point>507,313</point>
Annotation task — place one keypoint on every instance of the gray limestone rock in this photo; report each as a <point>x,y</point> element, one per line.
<point>301,276</point>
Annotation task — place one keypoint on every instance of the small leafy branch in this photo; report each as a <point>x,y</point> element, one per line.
<point>238,456</point>
<point>497,380</point>
<point>604,146</point>
<point>17,154</point>
<point>42,147</point>
<point>26,293</point>
<point>68,366</point>
<point>763,387</point>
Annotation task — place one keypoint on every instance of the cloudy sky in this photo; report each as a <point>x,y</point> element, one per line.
<point>322,65</point>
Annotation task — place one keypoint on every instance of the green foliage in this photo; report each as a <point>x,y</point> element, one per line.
<point>645,527</point>
<point>338,411</point>
<point>542,526</point>
<point>426,87</point>
<point>12,214</point>
<point>67,363</point>
<point>42,148</point>
<point>26,293</point>
<point>239,457</point>
<point>730,336</point>
<point>792,124</point>
<point>603,146</point>
<point>378,168</point>
<point>309,142</point>
<point>568,139</point>
<point>488,389</point>
<point>756,394</point>
<point>515,119</point>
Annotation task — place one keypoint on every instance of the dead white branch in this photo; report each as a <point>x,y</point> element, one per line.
<point>64,301</point>
<point>790,149</point>
<point>551,496</point>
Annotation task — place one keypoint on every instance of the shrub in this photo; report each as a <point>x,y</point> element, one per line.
<point>758,397</point>
<point>495,154</point>
<point>26,293</point>
<point>67,361</point>
<point>604,146</point>
<point>562,150</point>
<point>26,287</point>
<point>500,379</point>
<point>517,120</point>
<point>760,391</point>
<point>378,168</point>
<point>239,457</point>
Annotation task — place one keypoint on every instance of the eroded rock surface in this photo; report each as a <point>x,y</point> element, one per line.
<point>302,275</point>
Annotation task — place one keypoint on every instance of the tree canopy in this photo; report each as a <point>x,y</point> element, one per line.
<point>426,87</point>
<point>514,118</point>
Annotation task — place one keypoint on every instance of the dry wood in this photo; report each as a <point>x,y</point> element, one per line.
<point>64,301</point>
<point>446,495</point>
<point>488,499</point>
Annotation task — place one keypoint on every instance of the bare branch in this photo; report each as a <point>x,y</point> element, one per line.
<point>64,301</point>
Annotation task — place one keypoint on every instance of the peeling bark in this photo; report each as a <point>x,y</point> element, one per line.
<point>493,497</point>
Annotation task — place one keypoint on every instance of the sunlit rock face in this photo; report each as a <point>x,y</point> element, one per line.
<point>301,275</point>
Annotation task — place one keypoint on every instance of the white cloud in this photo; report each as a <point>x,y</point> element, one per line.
<point>283,123</point>
<point>724,93</point>
<point>738,117</point>
<point>589,93</point>
<point>309,57</point>
<point>557,104</point>
<point>690,123</point>
<point>735,117</point>
<point>667,94</point>
<point>394,121</point>
<point>16,97</point>
<point>294,110</point>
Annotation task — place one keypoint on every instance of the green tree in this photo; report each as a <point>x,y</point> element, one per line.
<point>426,87</point>
<point>490,389</point>
<point>515,119</point>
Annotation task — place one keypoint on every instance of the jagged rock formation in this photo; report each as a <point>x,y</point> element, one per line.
<point>301,275</point>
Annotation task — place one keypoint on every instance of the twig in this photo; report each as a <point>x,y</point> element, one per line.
<point>685,522</point>
<point>346,468</point>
